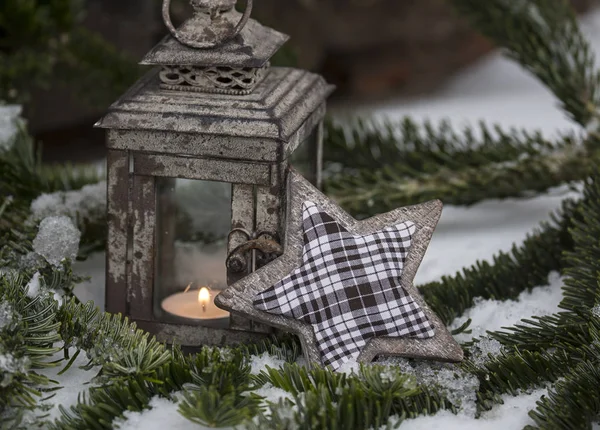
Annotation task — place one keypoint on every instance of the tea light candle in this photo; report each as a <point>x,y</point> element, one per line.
<point>196,305</point>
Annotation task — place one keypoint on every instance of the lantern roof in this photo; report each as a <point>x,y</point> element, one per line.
<point>275,110</point>
<point>214,79</point>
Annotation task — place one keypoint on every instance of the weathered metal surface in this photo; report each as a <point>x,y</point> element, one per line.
<point>269,202</point>
<point>187,335</point>
<point>202,169</point>
<point>253,47</point>
<point>215,79</point>
<point>277,108</point>
<point>195,144</point>
<point>242,226</point>
<point>304,132</point>
<point>214,23</point>
<point>140,292</point>
<point>117,218</point>
<point>239,296</point>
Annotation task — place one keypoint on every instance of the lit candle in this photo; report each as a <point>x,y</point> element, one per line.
<point>194,305</point>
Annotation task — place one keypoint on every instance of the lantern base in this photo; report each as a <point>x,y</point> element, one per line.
<point>191,337</point>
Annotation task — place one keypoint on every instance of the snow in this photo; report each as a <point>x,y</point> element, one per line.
<point>459,387</point>
<point>510,415</point>
<point>272,394</point>
<point>94,267</point>
<point>260,363</point>
<point>9,117</point>
<point>467,234</point>
<point>11,365</point>
<point>57,239</point>
<point>492,315</point>
<point>74,383</point>
<point>88,203</point>
<point>485,348</point>
<point>6,314</point>
<point>33,286</point>
<point>162,415</point>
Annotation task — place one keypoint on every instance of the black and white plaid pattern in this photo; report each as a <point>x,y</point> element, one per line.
<point>348,287</point>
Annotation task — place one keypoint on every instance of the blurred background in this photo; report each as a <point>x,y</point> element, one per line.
<point>67,60</point>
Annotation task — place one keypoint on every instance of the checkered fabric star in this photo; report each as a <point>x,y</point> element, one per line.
<point>348,287</point>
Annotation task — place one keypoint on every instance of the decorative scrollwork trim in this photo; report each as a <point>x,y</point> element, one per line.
<point>221,80</point>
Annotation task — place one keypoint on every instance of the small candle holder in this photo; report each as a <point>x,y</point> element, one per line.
<point>196,305</point>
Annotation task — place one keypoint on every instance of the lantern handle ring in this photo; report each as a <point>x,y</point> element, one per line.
<point>218,39</point>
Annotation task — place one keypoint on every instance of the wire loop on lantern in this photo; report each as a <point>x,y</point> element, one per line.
<point>203,41</point>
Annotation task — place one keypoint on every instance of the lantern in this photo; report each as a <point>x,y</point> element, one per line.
<point>198,155</point>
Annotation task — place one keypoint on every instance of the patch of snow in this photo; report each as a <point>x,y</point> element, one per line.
<point>94,267</point>
<point>465,235</point>
<point>492,315</point>
<point>259,363</point>
<point>6,314</point>
<point>32,260</point>
<point>510,415</point>
<point>459,387</point>
<point>9,118</point>
<point>88,203</point>
<point>350,367</point>
<point>302,361</point>
<point>596,311</point>
<point>33,286</point>
<point>485,348</point>
<point>57,239</point>
<point>73,383</point>
<point>9,364</point>
<point>162,415</point>
<point>273,394</point>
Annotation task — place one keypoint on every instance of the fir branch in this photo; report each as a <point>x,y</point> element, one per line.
<point>106,403</point>
<point>23,176</point>
<point>513,371</point>
<point>285,348</point>
<point>418,148</point>
<point>544,37</point>
<point>87,60</point>
<point>44,40</point>
<point>27,336</point>
<point>371,192</point>
<point>574,402</point>
<point>208,407</point>
<point>330,400</point>
<point>581,291</point>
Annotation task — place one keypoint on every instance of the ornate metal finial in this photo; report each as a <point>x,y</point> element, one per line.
<point>212,24</point>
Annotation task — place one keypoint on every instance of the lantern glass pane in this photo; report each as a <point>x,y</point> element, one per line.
<point>304,158</point>
<point>193,221</point>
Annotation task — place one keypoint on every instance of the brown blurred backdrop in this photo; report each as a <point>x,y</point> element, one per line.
<point>370,49</point>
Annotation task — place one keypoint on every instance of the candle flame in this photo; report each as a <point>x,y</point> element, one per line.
<point>203,297</point>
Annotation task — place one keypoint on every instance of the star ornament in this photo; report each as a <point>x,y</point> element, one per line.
<point>345,286</point>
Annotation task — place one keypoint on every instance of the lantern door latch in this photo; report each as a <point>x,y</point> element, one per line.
<point>265,243</point>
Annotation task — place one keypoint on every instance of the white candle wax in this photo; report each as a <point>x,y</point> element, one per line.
<point>188,305</point>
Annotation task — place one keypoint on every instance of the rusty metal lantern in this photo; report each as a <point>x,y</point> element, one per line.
<point>198,155</point>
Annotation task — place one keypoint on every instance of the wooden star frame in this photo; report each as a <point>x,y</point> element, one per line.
<point>238,298</point>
